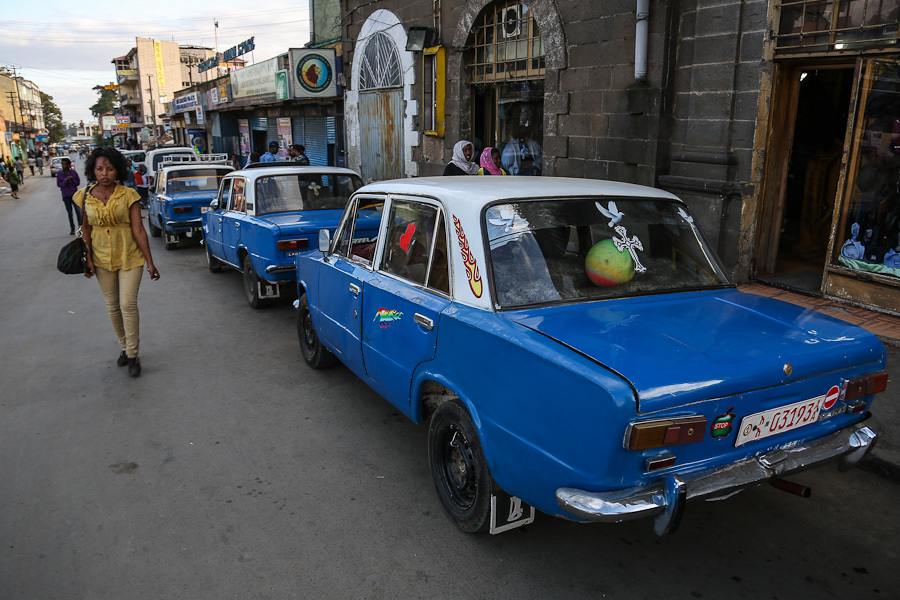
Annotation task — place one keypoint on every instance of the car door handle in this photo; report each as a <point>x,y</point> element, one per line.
<point>423,321</point>
<point>236,224</point>
<point>354,289</point>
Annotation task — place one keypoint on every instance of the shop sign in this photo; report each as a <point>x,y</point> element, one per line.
<point>108,122</point>
<point>201,117</point>
<point>126,72</point>
<point>282,92</point>
<point>239,50</point>
<point>255,80</point>
<point>186,102</point>
<point>244,131</point>
<point>284,131</point>
<point>123,119</point>
<point>313,72</point>
<point>207,64</point>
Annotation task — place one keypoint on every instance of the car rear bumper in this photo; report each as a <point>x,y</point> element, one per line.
<point>665,499</point>
<point>184,226</point>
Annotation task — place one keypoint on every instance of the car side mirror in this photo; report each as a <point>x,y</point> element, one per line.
<point>324,241</point>
<point>214,205</point>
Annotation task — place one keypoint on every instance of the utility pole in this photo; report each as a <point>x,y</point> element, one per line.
<point>152,104</point>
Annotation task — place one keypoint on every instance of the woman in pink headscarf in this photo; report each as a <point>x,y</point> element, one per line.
<point>490,162</point>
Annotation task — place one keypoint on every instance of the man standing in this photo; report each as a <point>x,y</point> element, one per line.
<point>20,169</point>
<point>297,152</point>
<point>68,181</point>
<point>272,154</point>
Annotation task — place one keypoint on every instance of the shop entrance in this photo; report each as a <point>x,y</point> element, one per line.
<point>510,117</point>
<point>260,141</point>
<point>803,171</point>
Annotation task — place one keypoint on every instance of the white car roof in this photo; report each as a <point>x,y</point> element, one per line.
<point>290,170</point>
<point>464,198</point>
<point>168,168</point>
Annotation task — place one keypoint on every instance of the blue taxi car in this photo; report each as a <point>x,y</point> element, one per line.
<point>181,194</point>
<point>574,346</point>
<point>264,216</point>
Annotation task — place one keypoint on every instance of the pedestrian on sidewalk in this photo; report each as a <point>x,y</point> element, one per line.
<point>12,176</point>
<point>117,247</point>
<point>297,154</point>
<point>31,164</point>
<point>67,181</point>
<point>20,169</point>
<point>272,154</point>
<point>462,164</point>
<point>39,163</point>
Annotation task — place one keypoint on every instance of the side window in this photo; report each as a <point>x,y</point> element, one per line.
<point>342,247</point>
<point>439,271</point>
<point>225,194</point>
<point>366,225</point>
<point>161,183</point>
<point>410,239</point>
<point>238,198</point>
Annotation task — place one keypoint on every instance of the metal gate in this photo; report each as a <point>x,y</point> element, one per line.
<point>381,134</point>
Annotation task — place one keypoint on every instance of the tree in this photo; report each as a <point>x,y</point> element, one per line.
<point>53,118</point>
<point>106,102</point>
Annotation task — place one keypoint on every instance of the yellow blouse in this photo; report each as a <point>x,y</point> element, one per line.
<point>114,248</point>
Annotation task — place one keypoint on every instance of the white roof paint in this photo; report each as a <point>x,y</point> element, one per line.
<point>195,165</point>
<point>257,172</point>
<point>464,197</point>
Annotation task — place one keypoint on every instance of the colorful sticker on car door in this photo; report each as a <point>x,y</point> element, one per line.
<point>469,262</point>
<point>385,316</point>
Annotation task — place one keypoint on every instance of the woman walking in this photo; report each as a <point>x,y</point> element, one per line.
<point>117,247</point>
<point>12,176</point>
<point>462,164</point>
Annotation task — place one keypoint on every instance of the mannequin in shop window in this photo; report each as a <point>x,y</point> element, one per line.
<point>522,155</point>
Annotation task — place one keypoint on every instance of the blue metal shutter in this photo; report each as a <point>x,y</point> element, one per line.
<point>316,141</point>
<point>297,130</point>
<point>330,127</point>
<point>272,131</point>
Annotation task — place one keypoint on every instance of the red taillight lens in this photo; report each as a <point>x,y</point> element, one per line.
<point>182,209</point>
<point>665,432</point>
<point>866,386</point>
<point>288,245</point>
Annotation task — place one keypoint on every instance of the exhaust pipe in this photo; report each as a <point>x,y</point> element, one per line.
<point>798,489</point>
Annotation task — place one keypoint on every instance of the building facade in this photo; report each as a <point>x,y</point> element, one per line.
<point>22,115</point>
<point>677,94</point>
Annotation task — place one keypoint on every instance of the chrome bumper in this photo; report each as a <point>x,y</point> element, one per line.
<point>665,499</point>
<point>279,268</point>
<point>192,223</point>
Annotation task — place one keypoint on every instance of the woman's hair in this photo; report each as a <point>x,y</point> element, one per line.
<point>113,156</point>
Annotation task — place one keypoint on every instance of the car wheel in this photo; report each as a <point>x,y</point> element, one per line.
<point>213,264</point>
<point>251,290</point>
<point>458,468</point>
<point>154,230</point>
<point>314,353</point>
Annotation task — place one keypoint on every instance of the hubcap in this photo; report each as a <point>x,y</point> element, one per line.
<point>459,468</point>
<point>309,336</point>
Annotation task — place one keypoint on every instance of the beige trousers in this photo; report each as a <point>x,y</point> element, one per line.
<point>120,290</point>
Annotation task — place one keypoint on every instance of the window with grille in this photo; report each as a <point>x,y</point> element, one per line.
<point>380,64</point>
<point>816,25</point>
<point>505,44</point>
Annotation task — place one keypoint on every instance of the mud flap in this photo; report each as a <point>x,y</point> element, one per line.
<point>267,290</point>
<point>508,512</point>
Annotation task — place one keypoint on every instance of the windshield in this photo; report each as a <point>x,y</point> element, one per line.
<point>309,191</point>
<point>549,251</point>
<point>136,156</point>
<point>194,180</point>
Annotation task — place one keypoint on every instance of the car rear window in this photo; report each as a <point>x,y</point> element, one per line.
<point>307,191</point>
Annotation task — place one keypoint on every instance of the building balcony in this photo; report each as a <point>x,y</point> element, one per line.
<point>126,100</point>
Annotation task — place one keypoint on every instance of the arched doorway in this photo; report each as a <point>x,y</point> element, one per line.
<point>505,66</point>
<point>381,109</point>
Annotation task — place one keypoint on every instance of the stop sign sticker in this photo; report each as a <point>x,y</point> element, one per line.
<point>831,397</point>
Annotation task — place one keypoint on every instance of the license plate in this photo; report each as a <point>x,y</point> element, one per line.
<point>778,420</point>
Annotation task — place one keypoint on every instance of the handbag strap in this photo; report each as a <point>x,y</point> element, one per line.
<point>84,213</point>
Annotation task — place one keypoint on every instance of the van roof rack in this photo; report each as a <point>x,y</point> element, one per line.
<point>182,158</point>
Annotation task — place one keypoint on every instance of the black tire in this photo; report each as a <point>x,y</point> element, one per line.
<point>213,264</point>
<point>458,468</point>
<point>251,290</point>
<point>314,353</point>
<point>154,230</point>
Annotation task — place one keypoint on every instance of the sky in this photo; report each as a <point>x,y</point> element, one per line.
<point>66,47</point>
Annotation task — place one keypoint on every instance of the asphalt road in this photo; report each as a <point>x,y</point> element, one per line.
<point>230,470</point>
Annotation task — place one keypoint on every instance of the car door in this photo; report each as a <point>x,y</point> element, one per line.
<point>214,220</point>
<point>342,281</point>
<point>233,219</point>
<point>404,298</point>
<point>154,208</point>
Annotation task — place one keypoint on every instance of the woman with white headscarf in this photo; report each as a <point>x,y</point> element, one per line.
<point>462,164</point>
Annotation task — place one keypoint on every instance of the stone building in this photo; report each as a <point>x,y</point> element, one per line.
<point>681,94</point>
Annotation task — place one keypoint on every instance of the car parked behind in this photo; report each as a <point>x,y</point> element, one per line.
<point>264,216</point>
<point>55,165</point>
<point>574,345</point>
<point>181,195</point>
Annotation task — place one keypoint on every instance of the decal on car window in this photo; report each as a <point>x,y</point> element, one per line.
<point>611,212</point>
<point>385,316</point>
<point>468,259</point>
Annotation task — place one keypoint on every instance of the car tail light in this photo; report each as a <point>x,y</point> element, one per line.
<point>182,209</point>
<point>288,245</point>
<point>665,432</point>
<point>866,386</point>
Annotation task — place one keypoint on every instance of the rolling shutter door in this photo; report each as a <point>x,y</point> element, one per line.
<point>316,140</point>
<point>272,131</point>
<point>297,130</point>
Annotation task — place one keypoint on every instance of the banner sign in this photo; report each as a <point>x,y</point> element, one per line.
<point>282,91</point>
<point>201,117</point>
<point>208,63</point>
<point>126,72</point>
<point>313,72</point>
<point>284,132</point>
<point>108,122</point>
<point>242,48</point>
<point>255,80</point>
<point>186,102</point>
<point>244,130</point>
<point>160,67</point>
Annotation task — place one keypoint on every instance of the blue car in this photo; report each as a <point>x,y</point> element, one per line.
<point>263,217</point>
<point>574,346</point>
<point>179,198</point>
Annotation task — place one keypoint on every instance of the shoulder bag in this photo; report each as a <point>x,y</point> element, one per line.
<point>73,256</point>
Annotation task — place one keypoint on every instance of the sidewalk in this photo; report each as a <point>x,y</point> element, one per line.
<point>884,459</point>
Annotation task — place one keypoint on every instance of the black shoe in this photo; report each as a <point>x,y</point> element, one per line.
<point>72,232</point>
<point>122,360</point>
<point>134,367</point>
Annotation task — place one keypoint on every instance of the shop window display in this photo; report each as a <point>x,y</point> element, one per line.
<point>869,236</point>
